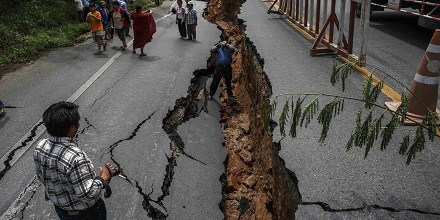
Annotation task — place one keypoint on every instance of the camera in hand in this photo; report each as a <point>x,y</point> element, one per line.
<point>117,171</point>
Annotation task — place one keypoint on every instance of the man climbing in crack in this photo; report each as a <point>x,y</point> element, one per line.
<point>65,170</point>
<point>224,53</point>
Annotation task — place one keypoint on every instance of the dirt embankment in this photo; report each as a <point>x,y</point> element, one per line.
<point>256,184</point>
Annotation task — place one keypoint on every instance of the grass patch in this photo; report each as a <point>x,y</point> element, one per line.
<point>28,27</point>
<point>33,26</point>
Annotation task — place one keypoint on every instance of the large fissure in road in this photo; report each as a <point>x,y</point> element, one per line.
<point>256,184</point>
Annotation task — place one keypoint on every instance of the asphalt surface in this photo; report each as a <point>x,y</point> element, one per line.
<point>122,112</point>
<point>127,103</point>
<point>336,184</point>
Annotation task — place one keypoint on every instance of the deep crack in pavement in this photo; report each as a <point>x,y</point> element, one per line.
<point>256,184</point>
<point>177,147</point>
<point>152,212</point>
<point>17,209</point>
<point>133,134</point>
<point>34,190</point>
<point>185,108</point>
<point>12,153</point>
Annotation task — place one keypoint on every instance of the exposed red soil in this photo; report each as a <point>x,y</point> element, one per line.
<point>257,184</point>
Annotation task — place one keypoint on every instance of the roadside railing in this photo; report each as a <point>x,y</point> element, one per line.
<point>320,19</point>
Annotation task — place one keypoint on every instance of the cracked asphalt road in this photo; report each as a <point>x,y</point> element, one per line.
<point>336,184</point>
<point>126,105</point>
<point>122,113</point>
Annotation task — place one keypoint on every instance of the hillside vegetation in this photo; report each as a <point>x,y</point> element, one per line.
<point>28,27</point>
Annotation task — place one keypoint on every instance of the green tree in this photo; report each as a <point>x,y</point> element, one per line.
<point>369,118</point>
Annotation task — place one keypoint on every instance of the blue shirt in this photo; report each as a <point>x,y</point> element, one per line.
<point>224,54</point>
<point>85,3</point>
<point>123,5</point>
<point>104,14</point>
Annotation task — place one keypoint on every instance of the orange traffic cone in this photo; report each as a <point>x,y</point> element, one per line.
<point>424,88</point>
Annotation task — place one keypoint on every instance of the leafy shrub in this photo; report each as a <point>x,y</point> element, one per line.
<point>28,27</point>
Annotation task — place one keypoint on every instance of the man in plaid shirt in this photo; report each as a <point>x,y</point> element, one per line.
<point>65,170</point>
<point>191,21</point>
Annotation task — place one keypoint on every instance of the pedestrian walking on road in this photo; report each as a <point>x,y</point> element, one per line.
<point>66,171</point>
<point>95,20</point>
<point>104,17</point>
<point>180,16</point>
<point>143,28</point>
<point>123,4</point>
<point>80,10</point>
<point>224,53</point>
<point>86,5</point>
<point>121,21</point>
<point>191,21</point>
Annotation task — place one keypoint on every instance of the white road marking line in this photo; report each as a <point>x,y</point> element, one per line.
<point>19,153</point>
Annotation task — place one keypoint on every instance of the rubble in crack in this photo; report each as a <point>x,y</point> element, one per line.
<point>17,209</point>
<point>256,184</point>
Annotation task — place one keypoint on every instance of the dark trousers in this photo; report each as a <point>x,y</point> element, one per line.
<point>191,31</point>
<point>96,212</point>
<point>222,71</point>
<point>182,28</point>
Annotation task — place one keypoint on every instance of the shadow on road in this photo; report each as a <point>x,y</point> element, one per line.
<point>149,58</point>
<point>401,26</point>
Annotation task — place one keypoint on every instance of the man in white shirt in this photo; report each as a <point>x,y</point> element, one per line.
<point>80,10</point>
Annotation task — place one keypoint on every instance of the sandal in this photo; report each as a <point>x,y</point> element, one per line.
<point>123,48</point>
<point>98,53</point>
<point>143,54</point>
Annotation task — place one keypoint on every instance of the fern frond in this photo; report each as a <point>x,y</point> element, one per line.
<point>283,118</point>
<point>325,116</point>
<point>373,133</point>
<point>296,115</point>
<point>387,132</point>
<point>375,92</point>
<point>430,122</point>
<point>363,132</point>
<point>349,144</point>
<point>370,92</point>
<point>417,146</point>
<point>404,145</point>
<point>309,111</point>
<point>357,129</point>
<point>366,87</point>
<point>340,73</point>
<point>403,108</point>
<point>333,75</point>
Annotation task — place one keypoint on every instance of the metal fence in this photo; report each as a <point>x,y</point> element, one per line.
<point>322,20</point>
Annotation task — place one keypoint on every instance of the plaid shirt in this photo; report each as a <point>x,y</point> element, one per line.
<point>190,16</point>
<point>66,173</point>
